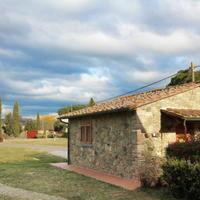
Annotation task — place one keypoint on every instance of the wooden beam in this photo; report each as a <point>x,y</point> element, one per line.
<point>193,72</point>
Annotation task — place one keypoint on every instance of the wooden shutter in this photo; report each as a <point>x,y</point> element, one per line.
<point>86,132</point>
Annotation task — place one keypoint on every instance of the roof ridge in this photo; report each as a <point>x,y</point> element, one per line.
<point>153,90</point>
<point>135,100</point>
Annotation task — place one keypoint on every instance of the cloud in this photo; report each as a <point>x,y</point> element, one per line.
<point>6,109</point>
<point>67,5</point>
<point>55,53</point>
<point>143,76</point>
<point>7,53</point>
<point>84,87</point>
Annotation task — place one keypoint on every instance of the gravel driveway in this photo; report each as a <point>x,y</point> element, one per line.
<point>25,194</point>
<point>54,150</point>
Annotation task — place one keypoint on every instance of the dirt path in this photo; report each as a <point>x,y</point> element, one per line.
<point>25,194</point>
<point>54,150</point>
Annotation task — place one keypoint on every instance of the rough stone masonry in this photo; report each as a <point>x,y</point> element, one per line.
<point>119,137</point>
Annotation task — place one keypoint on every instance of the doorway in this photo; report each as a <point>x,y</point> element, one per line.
<point>183,132</point>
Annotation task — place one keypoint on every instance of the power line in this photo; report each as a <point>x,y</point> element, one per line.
<point>140,88</point>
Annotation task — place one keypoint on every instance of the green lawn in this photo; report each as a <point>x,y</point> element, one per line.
<point>30,170</point>
<point>49,141</point>
<point>4,197</point>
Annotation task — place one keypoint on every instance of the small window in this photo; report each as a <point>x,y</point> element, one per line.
<point>86,132</point>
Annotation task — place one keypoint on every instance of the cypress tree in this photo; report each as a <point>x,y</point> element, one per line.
<point>38,122</point>
<point>16,120</point>
<point>91,102</point>
<point>8,124</point>
<point>0,116</point>
<point>1,133</point>
<point>30,125</point>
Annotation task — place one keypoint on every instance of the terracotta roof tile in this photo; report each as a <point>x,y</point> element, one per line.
<point>131,102</point>
<point>183,113</point>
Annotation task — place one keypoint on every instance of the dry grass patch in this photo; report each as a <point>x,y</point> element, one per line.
<point>49,141</point>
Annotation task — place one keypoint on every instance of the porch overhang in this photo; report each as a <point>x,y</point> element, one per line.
<point>185,114</point>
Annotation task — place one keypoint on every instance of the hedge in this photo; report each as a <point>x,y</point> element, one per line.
<point>183,178</point>
<point>188,151</point>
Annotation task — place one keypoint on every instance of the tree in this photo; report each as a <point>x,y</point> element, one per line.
<point>16,120</point>
<point>184,76</point>
<point>1,133</point>
<point>0,116</point>
<point>8,124</point>
<point>91,102</point>
<point>47,122</point>
<point>71,108</point>
<point>30,125</point>
<point>59,126</point>
<point>38,122</point>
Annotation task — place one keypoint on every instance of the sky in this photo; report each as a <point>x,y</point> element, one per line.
<point>57,53</point>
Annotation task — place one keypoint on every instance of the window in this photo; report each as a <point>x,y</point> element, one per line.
<point>86,132</point>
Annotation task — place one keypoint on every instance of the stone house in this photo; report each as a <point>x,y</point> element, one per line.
<point>110,137</point>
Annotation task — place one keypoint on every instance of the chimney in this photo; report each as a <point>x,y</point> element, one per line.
<point>193,72</point>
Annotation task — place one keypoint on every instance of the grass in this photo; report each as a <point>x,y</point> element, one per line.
<point>4,197</point>
<point>30,170</point>
<point>10,155</point>
<point>49,141</point>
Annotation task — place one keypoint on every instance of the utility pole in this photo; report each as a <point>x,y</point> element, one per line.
<point>193,72</point>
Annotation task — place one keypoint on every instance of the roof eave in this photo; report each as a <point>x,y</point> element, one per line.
<point>97,113</point>
<point>192,118</point>
<point>181,116</point>
<point>172,114</point>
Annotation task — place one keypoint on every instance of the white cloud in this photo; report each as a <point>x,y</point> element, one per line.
<point>143,76</point>
<point>6,109</point>
<point>12,53</point>
<point>68,5</point>
<point>146,60</point>
<point>78,89</point>
<point>85,36</point>
<point>78,37</point>
<point>113,44</point>
<point>184,9</point>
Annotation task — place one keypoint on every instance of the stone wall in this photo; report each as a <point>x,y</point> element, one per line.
<point>114,144</point>
<point>119,138</point>
<point>149,116</point>
<point>150,120</point>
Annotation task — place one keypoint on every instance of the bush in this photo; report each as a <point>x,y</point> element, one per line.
<point>60,128</point>
<point>187,150</point>
<point>150,170</point>
<point>183,178</point>
<point>1,137</point>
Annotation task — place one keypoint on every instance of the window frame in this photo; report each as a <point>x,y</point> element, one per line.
<point>86,135</point>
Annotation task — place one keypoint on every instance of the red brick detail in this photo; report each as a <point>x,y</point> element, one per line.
<point>129,184</point>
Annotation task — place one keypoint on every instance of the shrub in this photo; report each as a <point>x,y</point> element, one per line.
<point>1,137</point>
<point>60,128</point>
<point>197,136</point>
<point>187,150</point>
<point>150,169</point>
<point>183,178</point>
